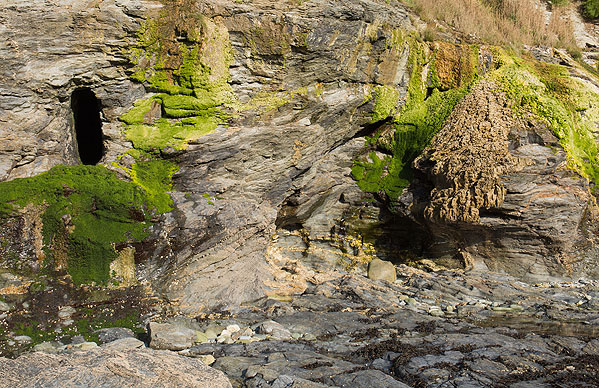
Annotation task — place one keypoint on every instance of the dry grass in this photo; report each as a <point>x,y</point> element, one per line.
<point>502,22</point>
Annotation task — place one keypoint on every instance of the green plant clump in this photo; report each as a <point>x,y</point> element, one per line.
<point>167,132</point>
<point>386,98</point>
<point>591,8</point>
<point>87,323</point>
<point>154,176</point>
<point>87,209</point>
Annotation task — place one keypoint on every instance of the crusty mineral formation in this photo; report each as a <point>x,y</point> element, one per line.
<point>503,197</point>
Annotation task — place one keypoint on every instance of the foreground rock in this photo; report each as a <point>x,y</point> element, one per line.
<point>111,367</point>
<point>440,329</point>
<point>426,329</point>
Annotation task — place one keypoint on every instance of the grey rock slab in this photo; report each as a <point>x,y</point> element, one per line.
<point>113,333</point>
<point>48,347</point>
<point>4,307</point>
<point>367,379</point>
<point>23,339</point>
<point>139,368</point>
<point>170,336</point>
<point>286,381</point>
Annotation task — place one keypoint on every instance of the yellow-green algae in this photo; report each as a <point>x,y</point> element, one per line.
<point>568,105</point>
<point>153,176</point>
<point>87,210</point>
<point>386,98</point>
<point>192,76</point>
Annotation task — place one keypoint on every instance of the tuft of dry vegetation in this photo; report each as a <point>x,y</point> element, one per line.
<point>503,22</point>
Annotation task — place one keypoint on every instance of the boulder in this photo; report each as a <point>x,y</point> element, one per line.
<point>170,336</point>
<point>110,334</point>
<point>274,329</point>
<point>381,270</point>
<point>116,368</point>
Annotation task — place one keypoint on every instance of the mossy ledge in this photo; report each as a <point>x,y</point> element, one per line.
<point>568,104</point>
<point>87,211</point>
<point>186,58</point>
<point>440,76</point>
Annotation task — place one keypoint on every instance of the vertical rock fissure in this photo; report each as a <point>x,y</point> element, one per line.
<point>88,125</point>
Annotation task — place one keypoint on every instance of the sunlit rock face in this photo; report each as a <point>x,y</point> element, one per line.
<point>274,138</point>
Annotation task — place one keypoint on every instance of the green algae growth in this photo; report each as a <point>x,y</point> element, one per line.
<point>86,211</point>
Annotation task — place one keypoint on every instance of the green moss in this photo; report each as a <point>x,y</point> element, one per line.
<point>194,88</point>
<point>591,8</point>
<point>178,106</point>
<point>385,102</point>
<point>557,99</point>
<point>381,175</point>
<point>416,59</point>
<point>86,323</point>
<point>173,133</point>
<point>154,176</point>
<point>87,211</point>
<point>136,114</point>
<point>32,330</point>
<point>415,126</point>
<point>263,102</point>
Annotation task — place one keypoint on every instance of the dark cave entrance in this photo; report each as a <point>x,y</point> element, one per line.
<point>88,125</point>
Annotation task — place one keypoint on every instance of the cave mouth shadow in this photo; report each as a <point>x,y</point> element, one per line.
<point>88,125</point>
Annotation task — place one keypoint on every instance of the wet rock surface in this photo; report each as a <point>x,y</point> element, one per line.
<point>427,329</point>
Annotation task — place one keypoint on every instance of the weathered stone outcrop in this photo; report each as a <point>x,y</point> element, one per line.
<point>49,50</point>
<point>243,129</point>
<point>301,75</point>
<point>109,367</point>
<point>503,197</point>
<point>316,71</point>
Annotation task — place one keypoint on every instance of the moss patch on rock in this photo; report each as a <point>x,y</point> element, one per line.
<point>561,96</point>
<point>173,133</point>
<point>189,66</point>
<point>154,176</point>
<point>385,102</point>
<point>87,211</point>
<point>566,103</point>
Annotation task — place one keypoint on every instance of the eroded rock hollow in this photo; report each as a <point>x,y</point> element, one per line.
<point>88,125</point>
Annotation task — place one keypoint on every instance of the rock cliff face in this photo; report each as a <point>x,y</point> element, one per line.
<point>502,197</point>
<point>51,49</point>
<point>272,136</point>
